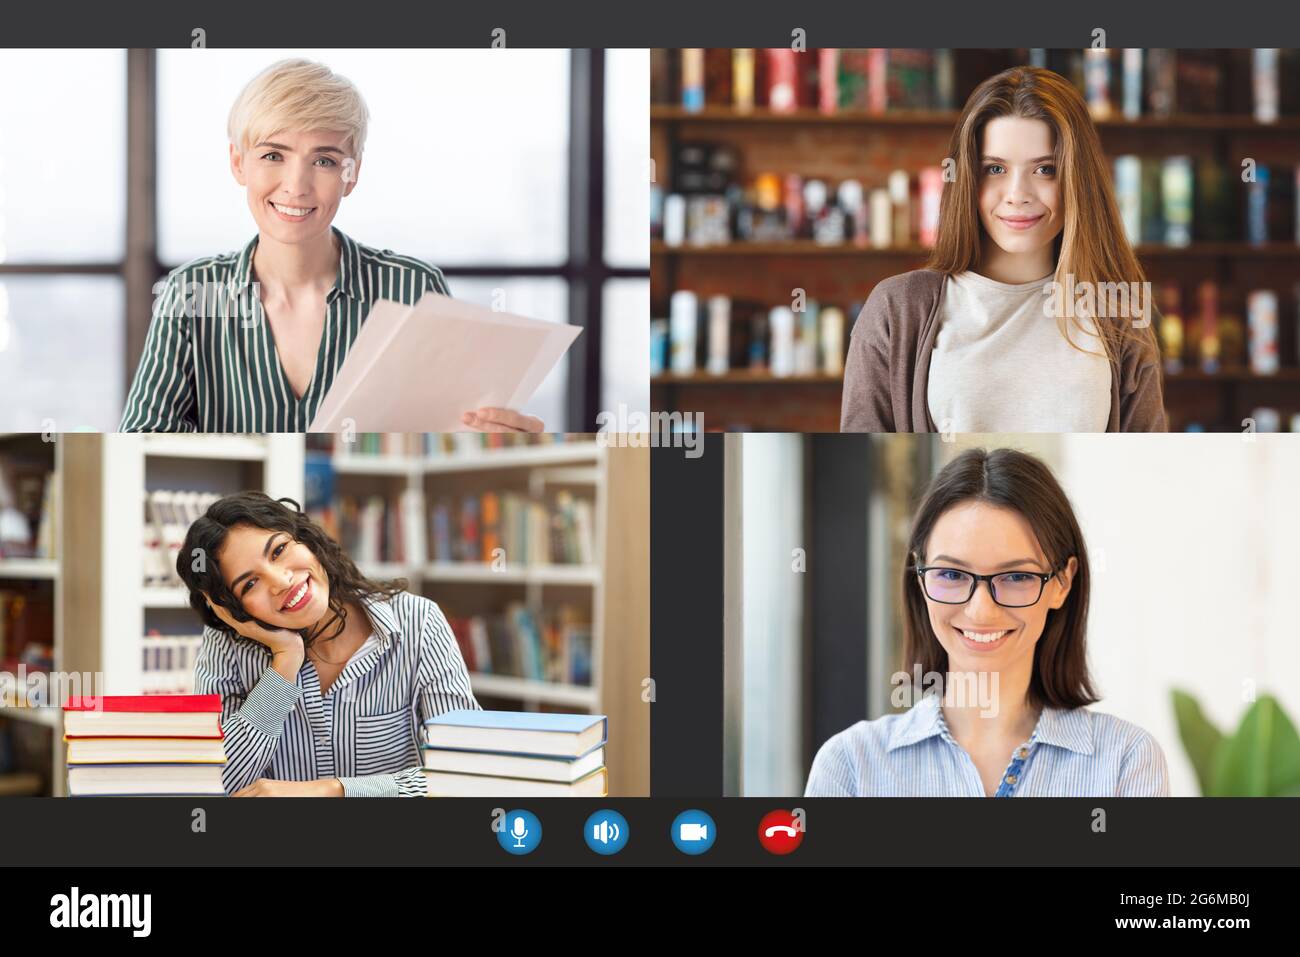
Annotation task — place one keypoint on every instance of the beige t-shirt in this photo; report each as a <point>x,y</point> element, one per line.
<point>1001,365</point>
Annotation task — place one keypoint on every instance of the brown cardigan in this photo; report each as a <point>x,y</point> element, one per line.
<point>887,372</point>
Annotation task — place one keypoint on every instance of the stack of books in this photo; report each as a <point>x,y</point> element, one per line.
<point>515,754</point>
<point>144,745</point>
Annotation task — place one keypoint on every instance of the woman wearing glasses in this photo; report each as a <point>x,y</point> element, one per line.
<point>995,606</point>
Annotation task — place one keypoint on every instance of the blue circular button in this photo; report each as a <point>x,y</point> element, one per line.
<point>606,832</point>
<point>694,832</point>
<point>522,832</point>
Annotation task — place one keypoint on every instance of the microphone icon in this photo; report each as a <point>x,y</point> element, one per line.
<point>519,830</point>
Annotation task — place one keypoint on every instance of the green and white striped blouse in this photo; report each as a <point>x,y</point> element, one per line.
<point>210,363</point>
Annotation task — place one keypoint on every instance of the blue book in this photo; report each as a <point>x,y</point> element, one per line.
<point>517,732</point>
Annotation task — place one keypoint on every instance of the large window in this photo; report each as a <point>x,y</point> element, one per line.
<point>62,238</point>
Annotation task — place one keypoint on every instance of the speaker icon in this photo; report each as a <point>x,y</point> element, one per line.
<point>606,832</point>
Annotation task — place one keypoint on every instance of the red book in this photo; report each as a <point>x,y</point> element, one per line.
<point>783,78</point>
<point>143,716</point>
<point>151,703</point>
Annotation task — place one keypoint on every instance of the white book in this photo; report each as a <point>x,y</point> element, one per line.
<point>443,784</point>
<point>104,779</point>
<point>781,319</point>
<point>683,309</point>
<point>513,765</point>
<point>719,333</point>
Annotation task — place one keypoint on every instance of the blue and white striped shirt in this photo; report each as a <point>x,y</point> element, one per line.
<point>1072,753</point>
<point>366,730</point>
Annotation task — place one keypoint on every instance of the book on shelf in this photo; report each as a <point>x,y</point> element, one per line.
<point>28,509</point>
<point>26,642</point>
<point>514,753</point>
<point>379,528</point>
<point>723,335</point>
<point>553,644</point>
<point>167,665</point>
<point>1130,83</point>
<point>168,514</point>
<point>519,528</point>
<point>1176,200</point>
<point>424,444</point>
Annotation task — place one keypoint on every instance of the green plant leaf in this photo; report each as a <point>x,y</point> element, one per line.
<point>1201,739</point>
<point>1263,758</point>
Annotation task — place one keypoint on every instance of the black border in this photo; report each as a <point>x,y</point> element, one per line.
<point>664,23</point>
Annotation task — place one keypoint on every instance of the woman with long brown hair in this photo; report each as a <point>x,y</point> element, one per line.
<point>995,615</point>
<point>325,676</point>
<point>1032,313</point>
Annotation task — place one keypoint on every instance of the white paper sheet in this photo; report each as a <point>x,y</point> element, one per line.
<point>420,368</point>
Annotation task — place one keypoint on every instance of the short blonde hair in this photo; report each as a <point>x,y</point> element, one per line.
<point>297,96</point>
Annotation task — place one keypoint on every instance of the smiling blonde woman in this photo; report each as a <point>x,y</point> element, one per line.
<point>250,341</point>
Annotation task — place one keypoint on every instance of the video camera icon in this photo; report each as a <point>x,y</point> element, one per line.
<point>693,832</point>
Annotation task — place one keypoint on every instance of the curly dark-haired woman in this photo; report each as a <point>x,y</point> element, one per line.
<point>325,676</point>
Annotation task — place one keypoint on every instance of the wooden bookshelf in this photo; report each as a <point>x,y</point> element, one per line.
<point>746,377</point>
<point>837,146</point>
<point>946,119</point>
<point>1276,250</point>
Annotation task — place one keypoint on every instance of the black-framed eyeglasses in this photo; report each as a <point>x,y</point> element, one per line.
<point>953,586</point>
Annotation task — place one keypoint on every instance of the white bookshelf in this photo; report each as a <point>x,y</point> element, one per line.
<point>110,607</point>
<point>29,568</point>
<point>486,574</point>
<point>580,462</point>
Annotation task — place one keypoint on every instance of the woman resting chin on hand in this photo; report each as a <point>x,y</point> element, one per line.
<point>326,677</point>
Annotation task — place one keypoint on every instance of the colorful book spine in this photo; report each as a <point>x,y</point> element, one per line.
<point>1264,85</point>
<point>719,329</point>
<point>742,79</point>
<point>783,78</point>
<point>1261,312</point>
<point>1128,193</point>
<point>832,340</point>
<point>877,74</point>
<point>1132,83</point>
<point>693,79</point>
<point>1257,195</point>
<point>781,319</point>
<point>931,183</point>
<point>1176,195</point>
<point>683,310</point>
<point>828,87</point>
<point>1097,82</point>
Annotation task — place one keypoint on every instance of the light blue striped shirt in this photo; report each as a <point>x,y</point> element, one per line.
<point>365,730</point>
<point>1072,753</point>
